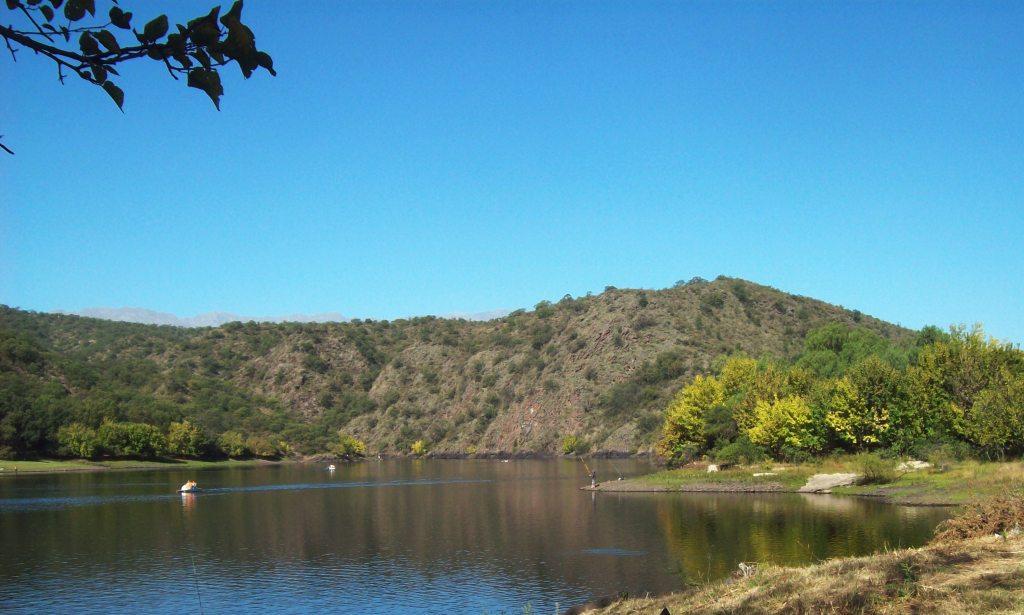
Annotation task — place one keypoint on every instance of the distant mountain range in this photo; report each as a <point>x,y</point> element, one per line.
<point>216,319</point>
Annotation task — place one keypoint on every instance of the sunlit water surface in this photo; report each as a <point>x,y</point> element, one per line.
<point>470,536</point>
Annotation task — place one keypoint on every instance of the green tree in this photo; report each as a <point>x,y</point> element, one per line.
<point>137,440</point>
<point>185,440</point>
<point>232,443</point>
<point>77,440</point>
<point>996,420</point>
<point>851,420</point>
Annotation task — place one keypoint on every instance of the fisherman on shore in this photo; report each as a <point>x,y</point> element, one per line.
<point>593,479</point>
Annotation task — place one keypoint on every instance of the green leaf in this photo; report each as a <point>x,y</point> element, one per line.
<point>116,93</point>
<point>207,81</point>
<point>107,40</point>
<point>120,19</point>
<point>235,14</point>
<point>155,28</point>
<point>264,60</point>
<point>56,4</point>
<point>47,12</point>
<point>99,73</point>
<point>74,10</point>
<point>13,4</point>
<point>88,44</point>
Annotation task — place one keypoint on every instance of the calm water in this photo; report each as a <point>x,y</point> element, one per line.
<point>398,536</point>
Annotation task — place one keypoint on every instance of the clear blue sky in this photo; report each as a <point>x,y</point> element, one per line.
<point>416,158</point>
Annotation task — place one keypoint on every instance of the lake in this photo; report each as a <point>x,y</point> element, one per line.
<point>468,536</point>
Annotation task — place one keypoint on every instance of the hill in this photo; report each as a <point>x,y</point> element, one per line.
<point>600,367</point>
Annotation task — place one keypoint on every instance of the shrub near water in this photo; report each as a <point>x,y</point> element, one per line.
<point>875,469</point>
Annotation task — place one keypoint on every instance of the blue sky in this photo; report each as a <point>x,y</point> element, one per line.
<point>430,157</point>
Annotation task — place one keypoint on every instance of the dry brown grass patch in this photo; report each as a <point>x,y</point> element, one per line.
<point>993,516</point>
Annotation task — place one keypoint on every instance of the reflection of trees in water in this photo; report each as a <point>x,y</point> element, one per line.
<point>530,524</point>
<point>781,529</point>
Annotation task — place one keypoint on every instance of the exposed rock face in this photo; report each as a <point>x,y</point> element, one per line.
<point>824,483</point>
<point>913,465</point>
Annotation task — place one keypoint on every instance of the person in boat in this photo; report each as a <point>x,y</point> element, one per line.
<point>189,486</point>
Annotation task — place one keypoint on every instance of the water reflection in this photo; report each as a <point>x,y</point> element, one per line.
<point>444,536</point>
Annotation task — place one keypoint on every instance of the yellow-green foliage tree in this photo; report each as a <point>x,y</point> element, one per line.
<point>77,440</point>
<point>784,425</point>
<point>184,440</point>
<point>852,420</point>
<point>683,431</point>
<point>746,381</point>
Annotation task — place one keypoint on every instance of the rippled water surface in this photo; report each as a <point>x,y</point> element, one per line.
<point>469,536</point>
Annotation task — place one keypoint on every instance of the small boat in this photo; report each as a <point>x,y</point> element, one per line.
<point>331,468</point>
<point>189,487</point>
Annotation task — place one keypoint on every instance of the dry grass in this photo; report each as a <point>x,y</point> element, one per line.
<point>966,569</point>
<point>985,518</point>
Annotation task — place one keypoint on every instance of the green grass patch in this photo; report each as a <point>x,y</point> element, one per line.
<point>81,465</point>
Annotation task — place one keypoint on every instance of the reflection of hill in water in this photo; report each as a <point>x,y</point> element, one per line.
<point>526,531</point>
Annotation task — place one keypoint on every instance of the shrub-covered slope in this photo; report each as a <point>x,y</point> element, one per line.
<point>600,367</point>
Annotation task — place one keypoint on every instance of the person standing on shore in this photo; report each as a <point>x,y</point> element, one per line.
<point>593,479</point>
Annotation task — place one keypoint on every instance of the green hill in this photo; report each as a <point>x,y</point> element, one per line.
<point>600,367</point>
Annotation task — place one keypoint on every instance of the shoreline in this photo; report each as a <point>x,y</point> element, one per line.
<point>37,467</point>
<point>953,485</point>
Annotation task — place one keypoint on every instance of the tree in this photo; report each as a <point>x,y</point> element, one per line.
<point>195,50</point>
<point>784,425</point>
<point>853,420</point>
<point>184,439</point>
<point>131,440</point>
<point>683,431</point>
<point>996,420</point>
<point>233,444</point>
<point>77,440</point>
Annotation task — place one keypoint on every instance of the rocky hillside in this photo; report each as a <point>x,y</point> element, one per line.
<point>600,367</point>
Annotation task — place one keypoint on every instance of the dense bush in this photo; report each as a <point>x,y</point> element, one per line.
<point>571,444</point>
<point>875,469</point>
<point>77,440</point>
<point>135,440</point>
<point>349,447</point>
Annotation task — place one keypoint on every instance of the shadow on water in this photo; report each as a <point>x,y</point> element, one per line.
<point>401,536</point>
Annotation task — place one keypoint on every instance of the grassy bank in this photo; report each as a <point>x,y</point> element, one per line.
<point>975,564</point>
<point>45,466</point>
<point>954,484</point>
<point>981,575</point>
